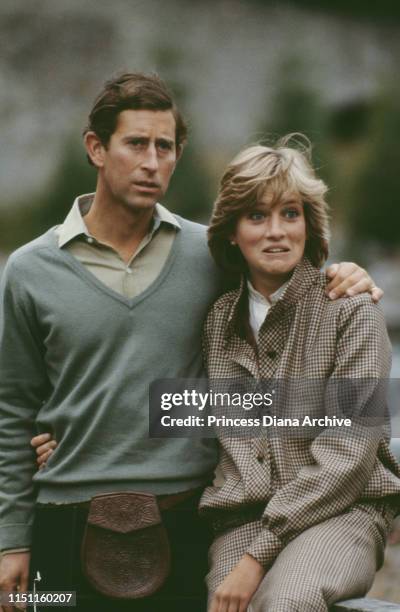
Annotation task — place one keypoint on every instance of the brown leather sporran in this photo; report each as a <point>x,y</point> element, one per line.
<point>125,549</point>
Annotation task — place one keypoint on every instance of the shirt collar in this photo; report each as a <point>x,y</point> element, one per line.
<point>74,224</point>
<point>259,298</point>
<point>163,215</point>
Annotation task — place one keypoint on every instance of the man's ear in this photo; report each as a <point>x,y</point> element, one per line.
<point>94,148</point>
<point>179,151</point>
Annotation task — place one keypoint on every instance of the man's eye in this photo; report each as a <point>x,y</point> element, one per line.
<point>136,142</point>
<point>165,146</point>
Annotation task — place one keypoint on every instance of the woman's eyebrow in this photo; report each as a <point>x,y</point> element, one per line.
<point>291,201</point>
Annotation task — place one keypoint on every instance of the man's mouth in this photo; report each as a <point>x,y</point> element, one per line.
<point>146,185</point>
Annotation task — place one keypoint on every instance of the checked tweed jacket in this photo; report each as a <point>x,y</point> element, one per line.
<point>302,482</point>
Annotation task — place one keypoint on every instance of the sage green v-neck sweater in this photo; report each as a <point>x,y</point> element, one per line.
<point>77,359</point>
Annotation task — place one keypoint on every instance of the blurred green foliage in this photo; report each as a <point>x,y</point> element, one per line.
<point>189,193</point>
<point>375,214</point>
<point>21,222</point>
<point>384,10</point>
<point>296,107</point>
<point>74,176</point>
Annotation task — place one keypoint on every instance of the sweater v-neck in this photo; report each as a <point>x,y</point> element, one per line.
<point>91,279</point>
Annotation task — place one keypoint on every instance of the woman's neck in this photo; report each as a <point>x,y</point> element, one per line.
<point>268,285</point>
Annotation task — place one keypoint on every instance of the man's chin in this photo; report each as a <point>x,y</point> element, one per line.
<point>140,204</point>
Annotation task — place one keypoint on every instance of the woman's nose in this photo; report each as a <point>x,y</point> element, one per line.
<point>274,228</point>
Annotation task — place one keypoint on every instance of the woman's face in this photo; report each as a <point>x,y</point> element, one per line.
<point>272,238</point>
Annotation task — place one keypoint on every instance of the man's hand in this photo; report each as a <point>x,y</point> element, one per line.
<point>349,279</point>
<point>44,445</point>
<point>14,575</point>
<point>235,592</point>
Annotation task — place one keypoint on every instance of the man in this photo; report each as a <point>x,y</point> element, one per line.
<point>91,313</point>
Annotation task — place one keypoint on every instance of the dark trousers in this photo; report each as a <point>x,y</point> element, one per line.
<point>57,536</point>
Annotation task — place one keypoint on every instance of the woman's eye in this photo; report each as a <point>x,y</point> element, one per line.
<point>256,216</point>
<point>291,213</point>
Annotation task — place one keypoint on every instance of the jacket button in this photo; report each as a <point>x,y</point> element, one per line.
<point>260,458</point>
<point>271,354</point>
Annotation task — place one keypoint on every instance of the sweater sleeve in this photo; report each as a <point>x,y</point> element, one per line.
<point>23,389</point>
<point>343,462</point>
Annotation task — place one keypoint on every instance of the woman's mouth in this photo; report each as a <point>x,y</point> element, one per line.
<point>275,250</point>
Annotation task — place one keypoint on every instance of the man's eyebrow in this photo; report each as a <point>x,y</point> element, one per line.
<point>136,137</point>
<point>144,138</point>
<point>165,139</point>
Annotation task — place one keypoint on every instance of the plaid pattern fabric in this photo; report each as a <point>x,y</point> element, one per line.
<point>331,561</point>
<point>302,482</point>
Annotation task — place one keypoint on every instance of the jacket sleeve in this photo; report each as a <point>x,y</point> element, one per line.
<point>343,462</point>
<point>206,337</point>
<point>23,389</point>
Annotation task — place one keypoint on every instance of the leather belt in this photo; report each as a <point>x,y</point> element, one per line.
<point>165,502</point>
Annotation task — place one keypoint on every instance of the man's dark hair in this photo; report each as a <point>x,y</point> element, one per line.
<point>135,91</point>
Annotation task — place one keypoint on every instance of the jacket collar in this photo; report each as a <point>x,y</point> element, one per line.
<point>304,276</point>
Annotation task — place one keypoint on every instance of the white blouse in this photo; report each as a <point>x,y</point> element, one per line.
<point>259,305</point>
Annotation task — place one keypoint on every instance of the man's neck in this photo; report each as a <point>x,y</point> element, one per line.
<point>118,226</point>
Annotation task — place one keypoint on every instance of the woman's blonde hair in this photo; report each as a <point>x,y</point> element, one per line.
<point>284,167</point>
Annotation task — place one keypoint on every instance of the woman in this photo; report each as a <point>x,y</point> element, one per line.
<point>300,523</point>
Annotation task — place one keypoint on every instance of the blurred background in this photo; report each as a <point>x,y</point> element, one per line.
<point>242,70</point>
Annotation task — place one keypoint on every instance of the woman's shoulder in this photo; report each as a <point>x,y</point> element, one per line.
<point>361,309</point>
<point>219,312</point>
<point>225,301</point>
<point>346,304</point>
<point>339,314</point>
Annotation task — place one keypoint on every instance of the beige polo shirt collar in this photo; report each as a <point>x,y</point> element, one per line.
<point>74,224</point>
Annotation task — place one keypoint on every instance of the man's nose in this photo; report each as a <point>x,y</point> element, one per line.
<point>150,159</point>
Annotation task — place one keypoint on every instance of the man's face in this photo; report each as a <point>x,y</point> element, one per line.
<point>136,166</point>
